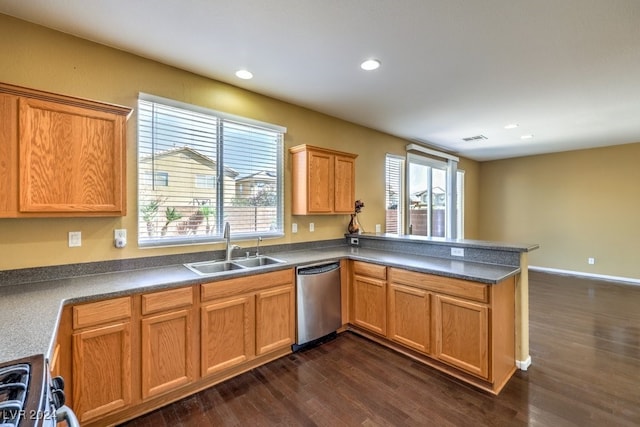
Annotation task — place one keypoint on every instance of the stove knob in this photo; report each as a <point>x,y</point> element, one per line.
<point>57,398</point>
<point>57,383</point>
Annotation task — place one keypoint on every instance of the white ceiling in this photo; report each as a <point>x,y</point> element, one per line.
<point>567,71</point>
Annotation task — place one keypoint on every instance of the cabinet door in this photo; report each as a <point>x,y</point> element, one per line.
<point>344,178</point>
<point>462,334</point>
<point>369,304</point>
<point>275,311</point>
<point>101,370</point>
<point>227,330</point>
<point>320,182</point>
<point>71,159</point>
<point>166,352</point>
<point>409,316</point>
<point>8,155</point>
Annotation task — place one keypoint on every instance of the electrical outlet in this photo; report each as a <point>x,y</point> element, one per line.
<point>591,261</point>
<point>457,251</point>
<point>312,227</point>
<point>378,228</point>
<point>75,239</point>
<point>294,228</point>
<point>120,238</point>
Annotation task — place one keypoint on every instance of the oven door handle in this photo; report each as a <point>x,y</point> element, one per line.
<point>64,413</point>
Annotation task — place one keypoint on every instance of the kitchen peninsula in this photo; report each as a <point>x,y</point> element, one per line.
<point>407,259</point>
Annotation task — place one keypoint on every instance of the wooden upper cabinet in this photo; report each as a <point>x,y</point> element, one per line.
<point>64,156</point>
<point>8,155</point>
<point>323,181</point>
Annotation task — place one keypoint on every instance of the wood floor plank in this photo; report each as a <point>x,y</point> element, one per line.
<point>585,349</point>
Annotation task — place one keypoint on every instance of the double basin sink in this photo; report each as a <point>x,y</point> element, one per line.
<point>207,268</point>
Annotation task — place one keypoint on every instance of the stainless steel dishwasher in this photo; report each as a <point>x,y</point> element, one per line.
<point>318,303</point>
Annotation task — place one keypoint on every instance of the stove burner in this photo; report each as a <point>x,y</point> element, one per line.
<point>14,386</point>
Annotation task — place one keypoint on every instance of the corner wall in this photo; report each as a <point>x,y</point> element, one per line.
<point>575,205</point>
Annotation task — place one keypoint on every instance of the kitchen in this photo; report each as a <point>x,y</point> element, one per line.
<point>500,196</point>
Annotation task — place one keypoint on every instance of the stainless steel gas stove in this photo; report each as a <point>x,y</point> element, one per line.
<point>29,397</point>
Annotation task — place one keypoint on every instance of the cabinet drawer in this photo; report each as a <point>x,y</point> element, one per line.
<point>166,300</point>
<point>370,270</point>
<point>99,312</point>
<point>232,287</point>
<point>444,285</point>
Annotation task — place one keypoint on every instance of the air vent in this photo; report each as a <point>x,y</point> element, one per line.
<point>475,138</point>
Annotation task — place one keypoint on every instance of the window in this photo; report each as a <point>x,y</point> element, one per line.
<point>425,197</point>
<point>205,181</point>
<point>223,168</point>
<point>162,179</point>
<point>427,192</point>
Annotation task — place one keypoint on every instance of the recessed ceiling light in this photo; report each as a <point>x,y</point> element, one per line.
<point>244,74</point>
<point>529,136</point>
<point>511,126</point>
<point>370,64</point>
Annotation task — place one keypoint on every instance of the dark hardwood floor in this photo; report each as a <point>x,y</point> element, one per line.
<point>585,348</point>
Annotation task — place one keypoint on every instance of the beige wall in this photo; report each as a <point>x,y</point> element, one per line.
<point>40,58</point>
<point>576,205</point>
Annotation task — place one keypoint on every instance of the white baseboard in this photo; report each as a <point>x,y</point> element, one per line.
<point>626,280</point>
<point>523,365</point>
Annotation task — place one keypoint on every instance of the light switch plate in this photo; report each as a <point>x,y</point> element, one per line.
<point>75,239</point>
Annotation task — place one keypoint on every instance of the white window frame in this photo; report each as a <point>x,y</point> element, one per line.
<point>432,158</point>
<point>145,239</point>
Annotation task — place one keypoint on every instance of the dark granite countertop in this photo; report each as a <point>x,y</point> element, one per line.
<point>30,312</point>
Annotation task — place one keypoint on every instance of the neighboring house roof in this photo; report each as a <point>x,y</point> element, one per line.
<point>194,154</point>
<point>419,194</point>
<point>259,176</point>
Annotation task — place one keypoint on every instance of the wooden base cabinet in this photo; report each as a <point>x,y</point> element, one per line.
<point>369,297</point>
<point>227,333</point>
<point>167,341</point>
<point>462,334</point>
<point>126,356</point>
<point>410,317</point>
<point>102,361</point>
<point>246,318</point>
<point>464,328</point>
<point>275,314</point>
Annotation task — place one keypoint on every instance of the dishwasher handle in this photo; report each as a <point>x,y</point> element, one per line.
<point>317,269</point>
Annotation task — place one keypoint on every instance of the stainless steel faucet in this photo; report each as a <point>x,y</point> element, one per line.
<point>227,237</point>
<point>258,246</point>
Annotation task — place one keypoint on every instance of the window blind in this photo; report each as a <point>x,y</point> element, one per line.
<point>394,194</point>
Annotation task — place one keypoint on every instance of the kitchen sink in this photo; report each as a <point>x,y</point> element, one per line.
<point>257,262</point>
<point>207,268</point>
